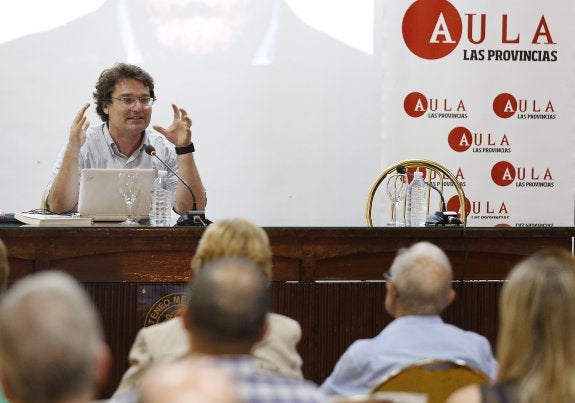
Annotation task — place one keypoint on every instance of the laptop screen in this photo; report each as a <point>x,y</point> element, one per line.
<point>100,196</point>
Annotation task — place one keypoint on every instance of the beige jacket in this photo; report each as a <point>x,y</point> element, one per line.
<point>169,340</point>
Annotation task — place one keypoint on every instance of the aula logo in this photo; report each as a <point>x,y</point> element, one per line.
<point>506,105</point>
<point>504,173</point>
<point>461,139</point>
<point>432,29</point>
<point>416,104</point>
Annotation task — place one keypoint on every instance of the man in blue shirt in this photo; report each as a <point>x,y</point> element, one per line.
<point>418,289</point>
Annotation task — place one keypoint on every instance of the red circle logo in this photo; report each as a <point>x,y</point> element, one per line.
<point>415,104</point>
<point>460,139</point>
<point>503,173</point>
<point>505,105</point>
<point>454,205</point>
<point>431,28</point>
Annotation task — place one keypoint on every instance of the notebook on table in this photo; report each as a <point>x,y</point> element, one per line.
<point>100,197</point>
<point>52,220</point>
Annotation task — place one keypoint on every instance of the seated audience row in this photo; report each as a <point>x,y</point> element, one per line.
<point>228,347</point>
<point>233,311</point>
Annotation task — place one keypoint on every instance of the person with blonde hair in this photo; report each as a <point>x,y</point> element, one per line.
<point>166,341</point>
<point>535,343</point>
<point>234,237</point>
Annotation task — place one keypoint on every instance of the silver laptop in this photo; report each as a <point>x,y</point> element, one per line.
<point>100,196</point>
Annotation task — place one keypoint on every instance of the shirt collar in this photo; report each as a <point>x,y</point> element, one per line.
<point>114,147</point>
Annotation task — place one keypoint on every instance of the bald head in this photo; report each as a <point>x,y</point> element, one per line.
<point>421,276</point>
<point>228,302</point>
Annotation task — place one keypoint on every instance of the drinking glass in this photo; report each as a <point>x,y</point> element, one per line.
<point>129,186</point>
<point>396,190</point>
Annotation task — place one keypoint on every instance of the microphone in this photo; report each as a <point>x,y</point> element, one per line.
<point>189,218</point>
<point>440,217</point>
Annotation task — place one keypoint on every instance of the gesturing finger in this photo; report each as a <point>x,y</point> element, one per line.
<point>181,114</point>
<point>81,112</point>
<point>176,111</point>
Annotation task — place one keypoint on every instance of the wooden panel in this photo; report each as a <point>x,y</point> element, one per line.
<point>301,254</point>
<point>117,304</point>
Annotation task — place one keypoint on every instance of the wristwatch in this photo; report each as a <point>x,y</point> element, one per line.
<point>185,150</point>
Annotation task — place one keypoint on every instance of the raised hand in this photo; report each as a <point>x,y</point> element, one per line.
<point>78,129</point>
<point>179,132</point>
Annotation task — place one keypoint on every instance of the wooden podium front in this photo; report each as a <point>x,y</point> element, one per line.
<point>329,279</point>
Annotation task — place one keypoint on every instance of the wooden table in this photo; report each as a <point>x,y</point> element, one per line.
<point>329,279</point>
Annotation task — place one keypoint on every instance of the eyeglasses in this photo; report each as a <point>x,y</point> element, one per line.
<point>128,102</point>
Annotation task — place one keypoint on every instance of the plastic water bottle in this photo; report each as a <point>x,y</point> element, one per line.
<point>161,203</point>
<point>416,200</point>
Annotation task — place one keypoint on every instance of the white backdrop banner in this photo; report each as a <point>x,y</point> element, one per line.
<point>486,89</point>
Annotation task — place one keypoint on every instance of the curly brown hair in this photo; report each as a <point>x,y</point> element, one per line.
<point>108,79</point>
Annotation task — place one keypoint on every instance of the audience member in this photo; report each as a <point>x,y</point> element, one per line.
<point>535,347</point>
<point>166,341</point>
<point>51,344</point>
<point>186,381</point>
<point>226,314</point>
<point>418,288</point>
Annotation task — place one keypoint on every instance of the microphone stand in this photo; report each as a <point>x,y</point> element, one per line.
<point>193,218</point>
